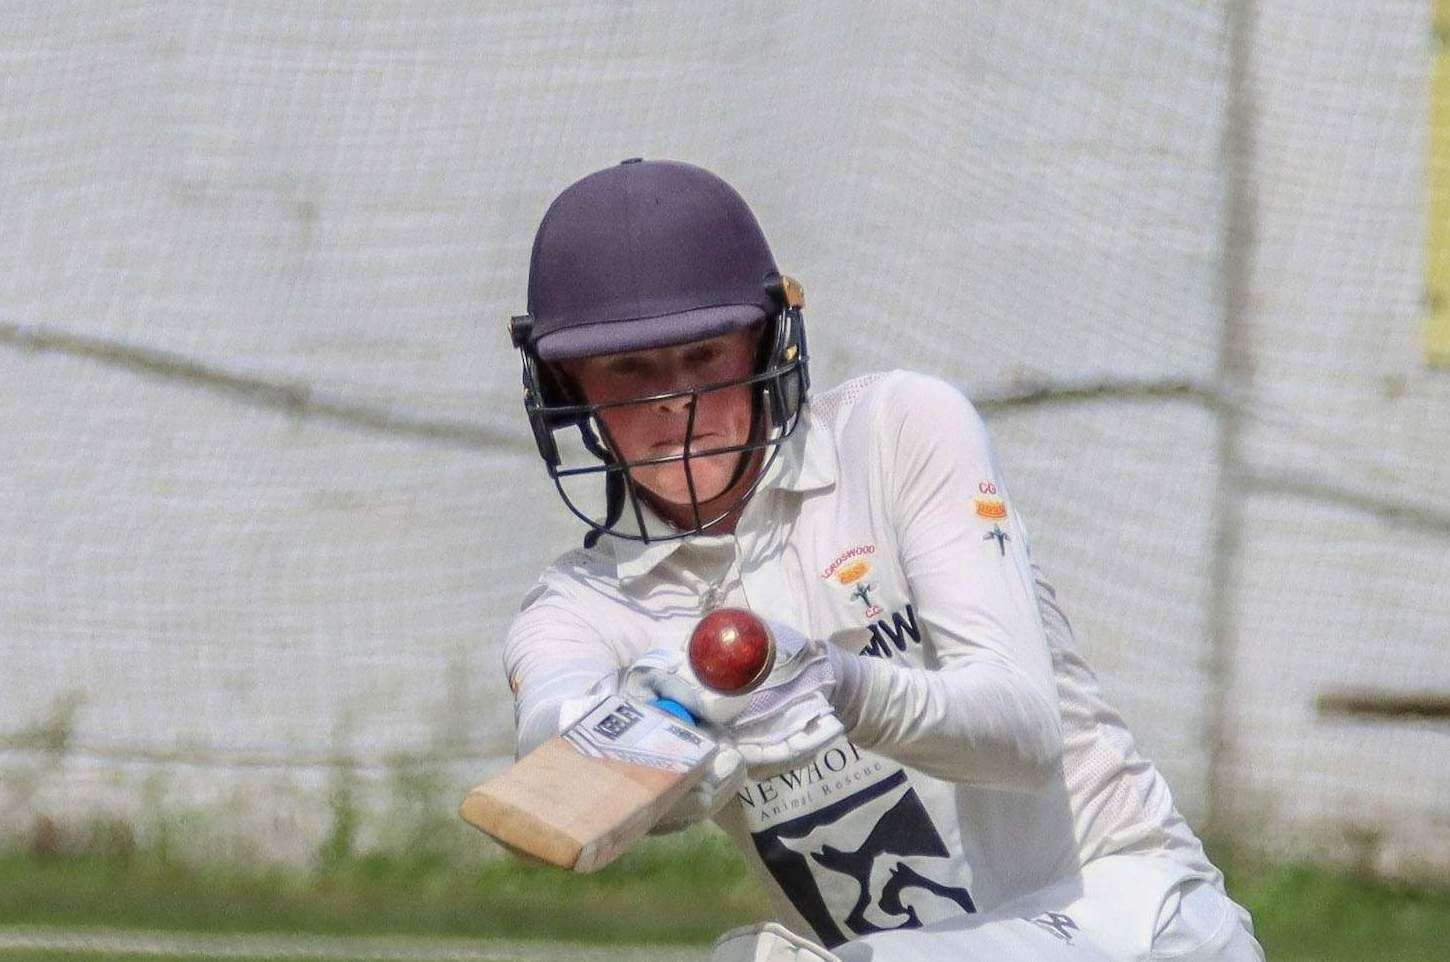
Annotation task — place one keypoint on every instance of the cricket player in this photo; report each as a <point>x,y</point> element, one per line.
<point>930,771</point>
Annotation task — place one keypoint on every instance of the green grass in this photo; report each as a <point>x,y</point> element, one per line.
<point>686,888</point>
<point>1302,913</point>
<point>550,952</point>
<point>32,955</point>
<point>115,947</point>
<point>681,889</point>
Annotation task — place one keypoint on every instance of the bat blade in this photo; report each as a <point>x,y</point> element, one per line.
<point>582,798</point>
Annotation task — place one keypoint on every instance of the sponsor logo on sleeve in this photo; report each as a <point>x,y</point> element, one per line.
<point>894,636</point>
<point>989,504</point>
<point>999,536</point>
<point>993,509</point>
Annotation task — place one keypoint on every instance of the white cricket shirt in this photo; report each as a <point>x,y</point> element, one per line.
<point>980,761</point>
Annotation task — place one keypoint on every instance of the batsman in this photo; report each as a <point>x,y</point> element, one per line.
<point>930,770</point>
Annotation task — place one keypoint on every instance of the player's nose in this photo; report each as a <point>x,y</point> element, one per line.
<point>676,395</point>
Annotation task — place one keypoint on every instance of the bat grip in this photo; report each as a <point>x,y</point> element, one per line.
<point>676,709</point>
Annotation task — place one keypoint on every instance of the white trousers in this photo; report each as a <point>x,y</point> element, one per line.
<point>1121,908</point>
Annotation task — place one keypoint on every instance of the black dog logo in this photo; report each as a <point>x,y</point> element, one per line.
<point>884,882</point>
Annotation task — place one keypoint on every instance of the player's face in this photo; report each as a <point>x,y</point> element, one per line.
<point>657,429</point>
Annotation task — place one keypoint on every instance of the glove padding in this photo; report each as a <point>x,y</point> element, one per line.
<point>778,726</point>
<point>705,797</point>
<point>708,795</point>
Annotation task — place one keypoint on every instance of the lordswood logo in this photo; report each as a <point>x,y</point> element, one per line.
<point>853,571</point>
<point>845,556</point>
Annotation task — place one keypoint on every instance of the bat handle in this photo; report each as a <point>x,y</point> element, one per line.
<point>676,709</point>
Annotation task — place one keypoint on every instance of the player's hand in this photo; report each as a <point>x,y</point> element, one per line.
<point>665,673</point>
<point>707,796</point>
<point>779,725</point>
<point>789,718</point>
<point>661,673</point>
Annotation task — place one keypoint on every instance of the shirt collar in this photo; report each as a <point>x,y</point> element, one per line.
<point>806,462</point>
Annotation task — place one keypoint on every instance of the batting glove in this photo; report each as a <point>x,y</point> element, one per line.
<point>789,718</point>
<point>665,673</point>
<point>707,796</point>
<point>781,724</point>
<point>661,673</point>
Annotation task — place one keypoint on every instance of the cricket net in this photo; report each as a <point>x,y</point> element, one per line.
<point>270,501</point>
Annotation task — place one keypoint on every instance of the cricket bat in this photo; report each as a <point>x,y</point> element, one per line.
<point>582,798</point>
<point>586,795</point>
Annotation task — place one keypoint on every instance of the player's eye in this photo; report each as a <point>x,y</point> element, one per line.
<point>703,355</point>
<point>625,367</point>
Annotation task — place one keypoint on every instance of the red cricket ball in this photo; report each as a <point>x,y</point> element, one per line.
<point>731,651</point>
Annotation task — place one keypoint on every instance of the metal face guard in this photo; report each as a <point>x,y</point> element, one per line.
<point>621,488</point>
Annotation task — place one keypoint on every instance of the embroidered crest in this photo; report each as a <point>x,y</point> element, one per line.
<point>863,595</point>
<point>853,571</point>
<point>993,509</point>
<point>851,568</point>
<point>847,559</point>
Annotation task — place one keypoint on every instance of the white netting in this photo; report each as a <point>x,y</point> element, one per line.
<point>270,500</point>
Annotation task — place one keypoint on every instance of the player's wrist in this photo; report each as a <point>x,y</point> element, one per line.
<point>850,678</point>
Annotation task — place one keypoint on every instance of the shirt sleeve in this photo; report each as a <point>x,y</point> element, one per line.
<point>984,710</point>
<point>553,653</point>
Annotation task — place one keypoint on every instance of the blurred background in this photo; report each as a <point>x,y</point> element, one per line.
<point>269,502</point>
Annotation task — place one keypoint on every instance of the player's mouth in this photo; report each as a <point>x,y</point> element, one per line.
<point>673,447</point>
